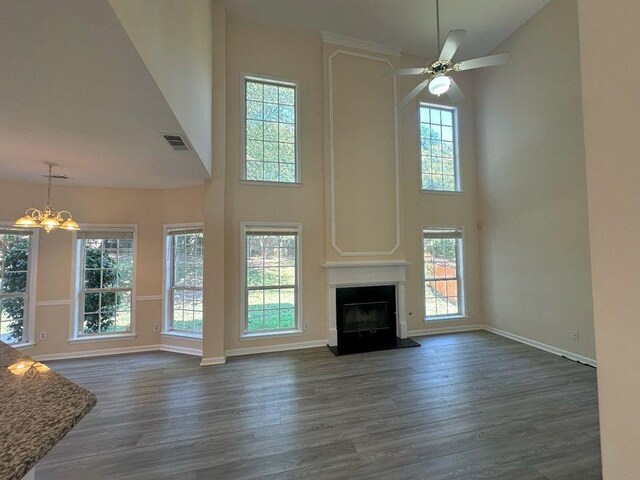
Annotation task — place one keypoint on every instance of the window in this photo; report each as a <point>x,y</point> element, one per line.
<point>18,250</point>
<point>105,278</point>
<point>271,279</point>
<point>270,131</point>
<point>439,165</point>
<point>443,273</point>
<point>184,280</point>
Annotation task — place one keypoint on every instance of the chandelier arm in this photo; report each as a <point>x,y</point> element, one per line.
<point>60,217</point>
<point>35,213</point>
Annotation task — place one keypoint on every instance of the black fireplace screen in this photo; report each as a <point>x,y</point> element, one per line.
<point>366,316</point>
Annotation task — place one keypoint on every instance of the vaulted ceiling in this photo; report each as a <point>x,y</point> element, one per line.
<point>406,24</point>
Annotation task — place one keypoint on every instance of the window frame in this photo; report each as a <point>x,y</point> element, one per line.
<point>461,277</point>
<point>77,267</point>
<point>456,149</point>
<point>245,228</point>
<point>244,77</point>
<point>167,275</point>
<point>28,330</point>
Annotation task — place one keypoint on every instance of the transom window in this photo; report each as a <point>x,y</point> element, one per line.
<point>439,164</point>
<point>443,273</point>
<point>271,279</point>
<point>185,280</point>
<point>105,278</point>
<point>16,261</point>
<point>270,131</point>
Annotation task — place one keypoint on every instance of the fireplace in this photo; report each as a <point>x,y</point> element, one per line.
<point>366,317</point>
<point>366,306</point>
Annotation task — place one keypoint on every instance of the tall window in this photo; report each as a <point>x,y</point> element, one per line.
<point>270,131</point>
<point>185,279</point>
<point>443,273</point>
<point>271,279</point>
<point>438,149</point>
<point>16,264</point>
<point>104,279</point>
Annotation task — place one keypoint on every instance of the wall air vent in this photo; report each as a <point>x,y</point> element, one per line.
<point>176,142</point>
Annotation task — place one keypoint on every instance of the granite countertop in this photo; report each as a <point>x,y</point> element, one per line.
<point>37,409</point>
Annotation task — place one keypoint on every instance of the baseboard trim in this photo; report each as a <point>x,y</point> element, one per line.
<point>213,361</point>
<point>118,351</point>
<point>542,346</point>
<point>96,353</point>
<point>440,330</point>
<point>185,350</point>
<point>275,348</point>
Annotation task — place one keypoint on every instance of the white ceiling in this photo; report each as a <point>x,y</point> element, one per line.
<point>406,24</point>
<point>73,90</point>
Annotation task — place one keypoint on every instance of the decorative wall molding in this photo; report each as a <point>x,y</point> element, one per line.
<point>332,158</point>
<point>542,346</point>
<point>148,298</point>
<point>346,41</point>
<point>53,303</point>
<point>236,352</point>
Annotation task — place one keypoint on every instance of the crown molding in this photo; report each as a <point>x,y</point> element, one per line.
<point>346,41</point>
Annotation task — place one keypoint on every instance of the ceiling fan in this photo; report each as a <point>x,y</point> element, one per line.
<point>438,73</point>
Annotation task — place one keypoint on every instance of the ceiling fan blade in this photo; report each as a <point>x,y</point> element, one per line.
<point>451,44</point>
<point>454,92</point>
<point>414,93</point>
<point>407,71</point>
<point>490,61</point>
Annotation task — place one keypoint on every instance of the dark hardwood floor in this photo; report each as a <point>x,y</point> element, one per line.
<point>469,405</point>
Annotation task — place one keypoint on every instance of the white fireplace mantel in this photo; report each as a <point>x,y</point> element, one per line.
<point>366,274</point>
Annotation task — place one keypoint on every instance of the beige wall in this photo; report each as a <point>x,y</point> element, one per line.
<point>282,54</point>
<point>174,40</point>
<point>611,103</point>
<point>91,206</point>
<point>535,244</point>
<point>439,209</point>
<point>147,209</point>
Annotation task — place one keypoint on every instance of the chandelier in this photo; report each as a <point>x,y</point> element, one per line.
<point>47,218</point>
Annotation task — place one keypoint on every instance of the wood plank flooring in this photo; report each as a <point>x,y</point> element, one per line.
<point>462,406</point>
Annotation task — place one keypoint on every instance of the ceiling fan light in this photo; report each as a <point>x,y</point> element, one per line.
<point>439,85</point>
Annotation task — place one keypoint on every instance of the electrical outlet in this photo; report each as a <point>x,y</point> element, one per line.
<point>306,325</point>
<point>156,327</point>
<point>574,335</point>
<point>43,335</point>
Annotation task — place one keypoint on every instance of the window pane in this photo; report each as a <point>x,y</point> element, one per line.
<point>187,282</point>
<point>270,126</point>
<point>14,266</point>
<point>439,169</point>
<point>271,280</point>
<point>107,283</point>
<point>442,273</point>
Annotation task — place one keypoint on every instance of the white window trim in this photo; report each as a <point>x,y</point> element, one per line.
<point>243,129</point>
<point>456,147</point>
<point>246,227</point>
<point>75,336</point>
<point>29,333</point>
<point>166,276</point>
<point>462,280</point>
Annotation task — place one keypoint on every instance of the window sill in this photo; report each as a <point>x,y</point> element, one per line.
<point>22,346</point>
<point>271,184</point>
<point>442,192</point>
<point>284,333</point>
<point>445,319</point>
<point>186,336</point>
<point>103,338</point>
